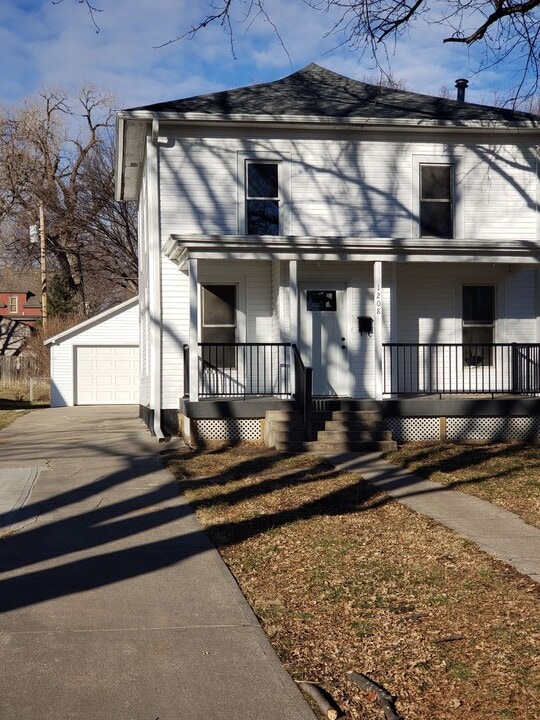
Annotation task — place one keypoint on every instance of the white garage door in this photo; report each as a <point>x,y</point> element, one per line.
<point>107,375</point>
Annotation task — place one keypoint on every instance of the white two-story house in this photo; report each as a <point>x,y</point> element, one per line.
<point>319,237</point>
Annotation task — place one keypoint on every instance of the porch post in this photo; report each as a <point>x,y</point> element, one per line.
<point>538,306</point>
<point>293,317</point>
<point>293,299</point>
<point>193,330</point>
<point>378,328</point>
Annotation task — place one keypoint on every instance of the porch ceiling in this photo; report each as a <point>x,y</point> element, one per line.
<point>181,248</point>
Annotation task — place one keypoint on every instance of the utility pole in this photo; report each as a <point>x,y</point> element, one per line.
<point>44,313</point>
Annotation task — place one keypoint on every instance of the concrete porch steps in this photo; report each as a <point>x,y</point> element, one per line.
<point>336,431</point>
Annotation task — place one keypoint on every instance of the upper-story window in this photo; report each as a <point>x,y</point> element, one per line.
<point>13,304</point>
<point>436,200</point>
<point>262,199</point>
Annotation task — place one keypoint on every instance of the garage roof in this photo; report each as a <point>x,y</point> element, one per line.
<point>105,315</point>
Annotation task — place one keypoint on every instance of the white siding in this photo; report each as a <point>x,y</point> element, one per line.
<point>499,192</point>
<point>429,305</point>
<point>521,304</point>
<point>426,303</point>
<point>198,187</point>
<point>354,185</point>
<point>259,302</point>
<point>351,187</point>
<point>62,390</point>
<point>175,331</point>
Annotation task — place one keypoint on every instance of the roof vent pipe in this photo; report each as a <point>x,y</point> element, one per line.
<point>461,84</point>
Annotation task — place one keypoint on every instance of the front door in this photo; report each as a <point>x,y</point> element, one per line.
<point>323,337</point>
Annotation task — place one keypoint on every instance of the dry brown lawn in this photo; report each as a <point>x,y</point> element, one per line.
<point>344,578</point>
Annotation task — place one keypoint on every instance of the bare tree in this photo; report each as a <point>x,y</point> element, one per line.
<point>507,31</point>
<point>59,152</point>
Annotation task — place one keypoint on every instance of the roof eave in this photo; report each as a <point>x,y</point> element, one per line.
<point>130,149</point>
<point>119,159</point>
<point>174,117</point>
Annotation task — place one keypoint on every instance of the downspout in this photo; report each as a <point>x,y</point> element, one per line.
<point>154,272</point>
<point>537,238</point>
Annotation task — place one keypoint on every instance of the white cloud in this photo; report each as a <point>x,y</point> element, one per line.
<point>42,44</point>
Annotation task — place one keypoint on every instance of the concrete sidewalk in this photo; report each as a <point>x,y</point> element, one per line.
<point>114,604</point>
<point>496,531</point>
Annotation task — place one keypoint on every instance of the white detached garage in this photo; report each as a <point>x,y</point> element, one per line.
<point>97,361</point>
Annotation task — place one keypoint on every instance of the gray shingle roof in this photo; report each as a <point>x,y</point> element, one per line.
<point>315,91</point>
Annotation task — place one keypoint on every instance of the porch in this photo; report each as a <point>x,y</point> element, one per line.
<point>368,325</point>
<point>449,392</point>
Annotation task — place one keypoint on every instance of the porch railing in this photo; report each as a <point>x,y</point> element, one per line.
<point>239,370</point>
<point>186,370</point>
<point>244,369</point>
<point>303,392</point>
<point>454,368</point>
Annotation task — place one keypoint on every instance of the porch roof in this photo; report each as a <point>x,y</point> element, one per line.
<point>181,248</point>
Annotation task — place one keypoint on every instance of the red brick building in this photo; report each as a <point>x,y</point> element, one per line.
<point>19,312</point>
<point>17,305</point>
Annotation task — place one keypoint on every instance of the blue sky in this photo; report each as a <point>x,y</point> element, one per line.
<point>43,45</point>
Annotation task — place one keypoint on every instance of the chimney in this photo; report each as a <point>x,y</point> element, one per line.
<point>461,84</point>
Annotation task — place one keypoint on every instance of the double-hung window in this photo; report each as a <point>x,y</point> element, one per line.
<point>478,323</point>
<point>262,198</point>
<point>13,304</point>
<point>436,200</point>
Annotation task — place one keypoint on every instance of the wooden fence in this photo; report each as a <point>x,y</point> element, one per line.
<point>16,370</point>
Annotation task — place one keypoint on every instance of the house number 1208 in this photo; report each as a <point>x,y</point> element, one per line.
<point>378,302</point>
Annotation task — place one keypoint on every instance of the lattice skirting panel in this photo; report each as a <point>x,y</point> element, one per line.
<point>410,429</point>
<point>231,429</point>
<point>460,429</point>
<point>526,429</point>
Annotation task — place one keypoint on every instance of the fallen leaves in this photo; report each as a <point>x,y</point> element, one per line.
<point>342,577</point>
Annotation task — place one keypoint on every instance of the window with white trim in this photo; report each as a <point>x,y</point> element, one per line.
<point>436,185</point>
<point>13,304</point>
<point>262,198</point>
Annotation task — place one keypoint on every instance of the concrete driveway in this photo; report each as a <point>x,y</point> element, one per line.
<point>113,603</point>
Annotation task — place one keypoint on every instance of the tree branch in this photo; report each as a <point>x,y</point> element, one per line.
<point>91,10</point>
<point>502,10</point>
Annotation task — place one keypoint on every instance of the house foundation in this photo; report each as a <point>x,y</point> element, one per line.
<point>476,420</point>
